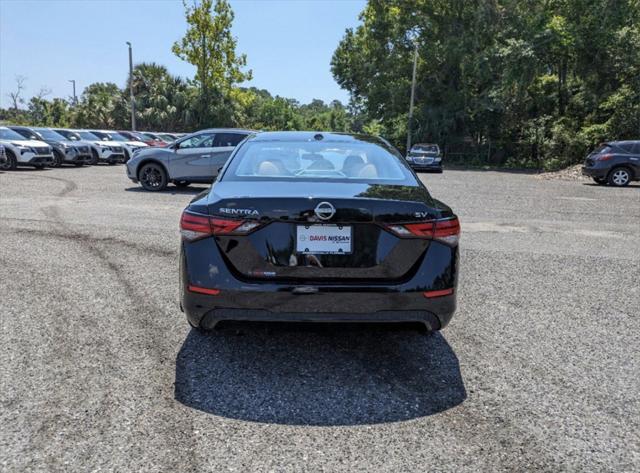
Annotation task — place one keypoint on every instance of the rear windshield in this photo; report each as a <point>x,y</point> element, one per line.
<point>602,149</point>
<point>317,161</point>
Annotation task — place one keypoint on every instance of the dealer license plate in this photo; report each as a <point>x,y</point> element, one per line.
<point>324,239</point>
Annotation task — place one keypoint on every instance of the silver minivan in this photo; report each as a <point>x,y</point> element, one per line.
<point>195,158</point>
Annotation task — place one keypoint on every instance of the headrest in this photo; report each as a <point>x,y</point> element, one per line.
<point>368,171</point>
<point>268,168</point>
<point>352,160</point>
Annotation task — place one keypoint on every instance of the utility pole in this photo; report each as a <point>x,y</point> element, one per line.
<point>133,100</point>
<point>75,98</point>
<point>413,93</point>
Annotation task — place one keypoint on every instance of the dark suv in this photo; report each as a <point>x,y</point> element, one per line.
<point>615,163</point>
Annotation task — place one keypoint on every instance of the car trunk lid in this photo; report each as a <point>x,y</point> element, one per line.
<point>318,232</point>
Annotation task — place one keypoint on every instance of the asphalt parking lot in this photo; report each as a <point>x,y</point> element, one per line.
<point>539,369</point>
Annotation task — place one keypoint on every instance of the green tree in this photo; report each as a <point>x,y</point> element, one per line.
<point>501,81</point>
<point>102,105</point>
<point>163,101</point>
<point>209,45</point>
<point>44,112</point>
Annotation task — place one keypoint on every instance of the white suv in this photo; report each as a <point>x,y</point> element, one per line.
<point>23,152</point>
<point>130,146</point>
<point>110,152</point>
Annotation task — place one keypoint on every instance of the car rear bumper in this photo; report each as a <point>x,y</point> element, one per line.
<point>201,265</point>
<point>213,316</point>
<point>595,172</point>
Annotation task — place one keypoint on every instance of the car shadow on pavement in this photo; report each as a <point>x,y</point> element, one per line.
<point>171,190</point>
<point>318,374</point>
<point>631,185</point>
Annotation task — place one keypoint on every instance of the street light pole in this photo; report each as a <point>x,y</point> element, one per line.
<point>133,100</point>
<point>75,99</point>
<point>413,93</point>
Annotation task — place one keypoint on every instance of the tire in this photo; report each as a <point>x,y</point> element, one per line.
<point>601,181</point>
<point>57,160</point>
<point>152,177</point>
<point>619,177</point>
<point>94,157</point>
<point>11,163</point>
<point>199,329</point>
<point>182,184</point>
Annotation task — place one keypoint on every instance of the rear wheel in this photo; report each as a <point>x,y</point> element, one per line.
<point>600,180</point>
<point>153,177</point>
<point>619,177</point>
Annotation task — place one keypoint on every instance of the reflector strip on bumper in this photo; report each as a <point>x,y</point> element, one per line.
<point>440,293</point>
<point>204,290</point>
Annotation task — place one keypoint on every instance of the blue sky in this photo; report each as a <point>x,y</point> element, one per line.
<point>288,43</point>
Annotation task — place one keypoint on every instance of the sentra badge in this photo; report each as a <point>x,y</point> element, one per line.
<point>253,213</point>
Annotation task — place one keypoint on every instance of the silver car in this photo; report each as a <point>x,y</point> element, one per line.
<point>194,158</point>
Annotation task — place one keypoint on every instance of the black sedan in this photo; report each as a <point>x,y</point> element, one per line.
<point>304,226</point>
<point>616,163</point>
<point>425,157</point>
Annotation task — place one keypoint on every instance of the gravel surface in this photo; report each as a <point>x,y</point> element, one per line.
<point>572,173</point>
<point>539,369</point>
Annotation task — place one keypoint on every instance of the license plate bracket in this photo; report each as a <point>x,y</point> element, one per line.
<point>324,239</point>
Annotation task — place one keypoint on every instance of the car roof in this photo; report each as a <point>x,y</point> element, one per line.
<point>217,130</point>
<point>309,135</point>
<point>624,142</point>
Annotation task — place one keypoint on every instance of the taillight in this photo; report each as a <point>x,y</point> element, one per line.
<point>447,231</point>
<point>193,226</point>
<point>604,157</point>
<point>223,226</point>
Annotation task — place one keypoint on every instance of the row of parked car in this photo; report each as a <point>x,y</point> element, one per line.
<point>180,159</point>
<point>41,147</point>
